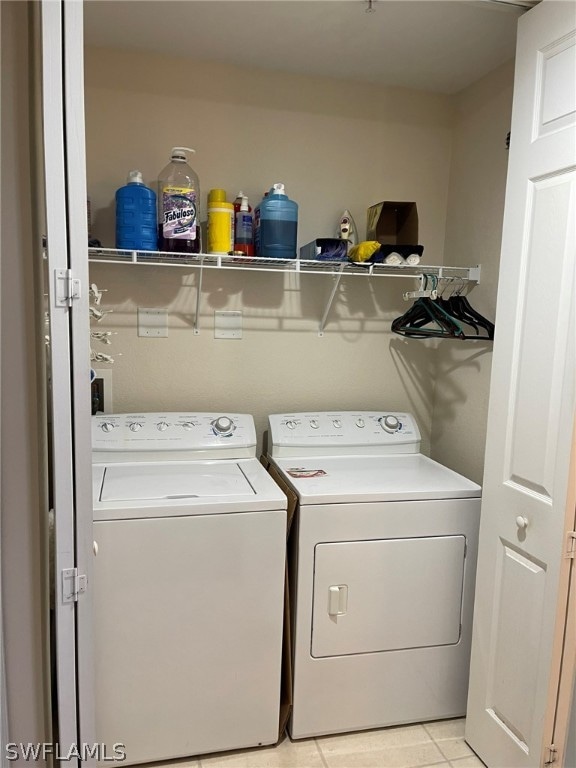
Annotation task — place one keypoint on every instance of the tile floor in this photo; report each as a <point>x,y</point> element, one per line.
<point>440,744</point>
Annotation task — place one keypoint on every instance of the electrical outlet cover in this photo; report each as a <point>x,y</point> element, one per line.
<point>227,325</point>
<point>152,322</point>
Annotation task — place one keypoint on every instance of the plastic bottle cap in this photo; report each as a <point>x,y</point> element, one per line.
<point>244,203</point>
<point>278,189</point>
<point>134,177</point>
<point>217,196</point>
<point>179,153</point>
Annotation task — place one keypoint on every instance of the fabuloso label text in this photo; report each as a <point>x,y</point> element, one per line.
<point>179,208</point>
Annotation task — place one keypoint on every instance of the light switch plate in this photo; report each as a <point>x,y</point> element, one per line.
<point>227,325</point>
<point>152,322</point>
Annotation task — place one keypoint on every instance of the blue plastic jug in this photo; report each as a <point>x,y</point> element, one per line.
<point>136,215</point>
<point>276,225</point>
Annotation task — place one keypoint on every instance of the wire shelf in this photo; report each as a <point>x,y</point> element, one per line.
<point>260,264</point>
<point>337,269</point>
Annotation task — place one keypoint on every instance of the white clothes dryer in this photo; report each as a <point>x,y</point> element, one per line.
<point>382,566</point>
<point>190,535</point>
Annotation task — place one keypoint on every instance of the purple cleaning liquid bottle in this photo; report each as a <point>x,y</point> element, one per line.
<point>179,206</point>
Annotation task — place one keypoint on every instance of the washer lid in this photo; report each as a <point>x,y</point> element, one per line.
<point>407,477</point>
<point>134,490</point>
<point>174,481</point>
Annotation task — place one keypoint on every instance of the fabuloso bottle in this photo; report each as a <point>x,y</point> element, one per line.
<point>179,205</point>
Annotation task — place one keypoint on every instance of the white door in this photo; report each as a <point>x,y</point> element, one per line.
<point>69,369</point>
<point>380,595</point>
<point>523,531</point>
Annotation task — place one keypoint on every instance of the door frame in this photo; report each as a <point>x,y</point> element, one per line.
<point>560,694</point>
<point>67,235</point>
<point>74,127</point>
<point>69,372</point>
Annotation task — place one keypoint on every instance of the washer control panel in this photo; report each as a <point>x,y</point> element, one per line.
<point>160,432</point>
<point>342,432</point>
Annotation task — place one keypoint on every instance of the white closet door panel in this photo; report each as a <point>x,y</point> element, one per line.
<point>556,87</point>
<point>65,195</point>
<point>513,679</point>
<point>532,405</point>
<point>60,390</point>
<point>539,351</point>
<point>80,357</point>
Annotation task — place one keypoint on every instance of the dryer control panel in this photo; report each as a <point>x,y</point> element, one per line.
<point>210,435</point>
<point>338,433</point>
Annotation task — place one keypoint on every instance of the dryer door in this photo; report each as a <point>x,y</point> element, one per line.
<point>387,595</point>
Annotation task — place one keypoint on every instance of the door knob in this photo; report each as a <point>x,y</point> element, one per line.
<point>522,522</point>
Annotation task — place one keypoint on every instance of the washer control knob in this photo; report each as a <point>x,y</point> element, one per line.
<point>107,426</point>
<point>314,424</point>
<point>188,425</point>
<point>360,423</point>
<point>162,426</point>
<point>135,426</point>
<point>223,425</point>
<point>337,423</point>
<point>291,424</point>
<point>389,423</point>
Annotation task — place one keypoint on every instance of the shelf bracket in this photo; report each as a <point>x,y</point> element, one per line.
<point>474,274</point>
<point>337,277</point>
<point>198,298</point>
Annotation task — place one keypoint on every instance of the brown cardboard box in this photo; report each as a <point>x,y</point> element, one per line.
<point>393,223</point>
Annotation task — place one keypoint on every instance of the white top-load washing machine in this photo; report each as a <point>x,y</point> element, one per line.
<point>190,535</point>
<point>382,566</point>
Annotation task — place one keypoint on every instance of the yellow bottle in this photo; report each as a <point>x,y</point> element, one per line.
<point>220,223</point>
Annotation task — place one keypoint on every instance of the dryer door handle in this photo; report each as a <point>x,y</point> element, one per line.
<point>337,600</point>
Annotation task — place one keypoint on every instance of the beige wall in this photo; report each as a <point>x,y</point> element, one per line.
<point>24,585</point>
<point>473,236</point>
<point>335,145</point>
